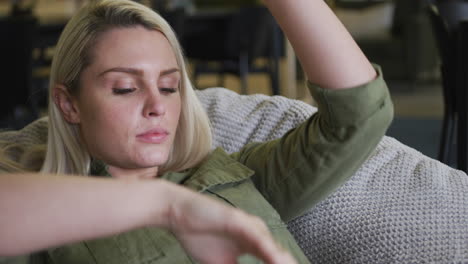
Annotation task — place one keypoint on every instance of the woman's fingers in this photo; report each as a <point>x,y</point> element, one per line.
<point>261,243</point>
<point>211,231</point>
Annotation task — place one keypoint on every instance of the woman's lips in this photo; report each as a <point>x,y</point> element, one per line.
<point>155,136</point>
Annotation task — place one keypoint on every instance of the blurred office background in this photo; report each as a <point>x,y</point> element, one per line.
<point>237,45</point>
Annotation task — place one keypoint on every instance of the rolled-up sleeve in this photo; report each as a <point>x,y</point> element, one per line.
<point>298,170</point>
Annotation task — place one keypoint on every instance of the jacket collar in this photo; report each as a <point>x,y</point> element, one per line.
<point>219,168</point>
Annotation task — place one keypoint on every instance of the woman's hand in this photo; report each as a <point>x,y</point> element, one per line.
<point>212,232</point>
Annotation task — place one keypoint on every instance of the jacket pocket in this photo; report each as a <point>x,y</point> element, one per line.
<point>245,196</point>
<point>131,248</point>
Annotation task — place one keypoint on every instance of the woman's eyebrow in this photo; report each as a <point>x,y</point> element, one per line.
<point>170,71</point>
<point>137,72</point>
<point>132,71</point>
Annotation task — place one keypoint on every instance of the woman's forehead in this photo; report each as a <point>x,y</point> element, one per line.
<point>135,47</point>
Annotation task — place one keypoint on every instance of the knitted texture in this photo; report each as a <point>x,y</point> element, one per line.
<point>34,133</point>
<point>237,120</point>
<point>399,207</point>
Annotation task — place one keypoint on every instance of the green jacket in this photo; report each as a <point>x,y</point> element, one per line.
<point>276,180</point>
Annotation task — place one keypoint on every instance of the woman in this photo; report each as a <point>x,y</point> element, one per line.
<point>123,106</point>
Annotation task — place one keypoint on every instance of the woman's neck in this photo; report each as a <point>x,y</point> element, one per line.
<point>123,173</point>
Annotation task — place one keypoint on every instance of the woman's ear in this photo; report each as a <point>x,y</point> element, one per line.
<point>66,104</point>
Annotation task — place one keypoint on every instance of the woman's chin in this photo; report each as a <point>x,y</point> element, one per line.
<point>152,162</point>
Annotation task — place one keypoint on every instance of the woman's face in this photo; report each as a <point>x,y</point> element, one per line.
<point>129,101</point>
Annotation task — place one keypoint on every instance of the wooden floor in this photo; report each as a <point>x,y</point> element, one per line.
<point>421,100</point>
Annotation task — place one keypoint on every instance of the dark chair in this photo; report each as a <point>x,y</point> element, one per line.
<point>230,43</point>
<point>355,4</point>
<point>452,39</point>
<point>18,35</point>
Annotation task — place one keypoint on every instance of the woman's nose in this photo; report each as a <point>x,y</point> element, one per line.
<point>155,105</point>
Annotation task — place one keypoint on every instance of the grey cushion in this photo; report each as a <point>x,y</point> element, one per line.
<point>399,207</point>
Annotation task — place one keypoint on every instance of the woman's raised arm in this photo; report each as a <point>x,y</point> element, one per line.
<point>310,162</point>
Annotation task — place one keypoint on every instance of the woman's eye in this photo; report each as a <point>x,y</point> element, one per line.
<point>168,90</point>
<point>120,91</point>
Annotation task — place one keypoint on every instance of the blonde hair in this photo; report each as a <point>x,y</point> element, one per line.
<point>65,151</point>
